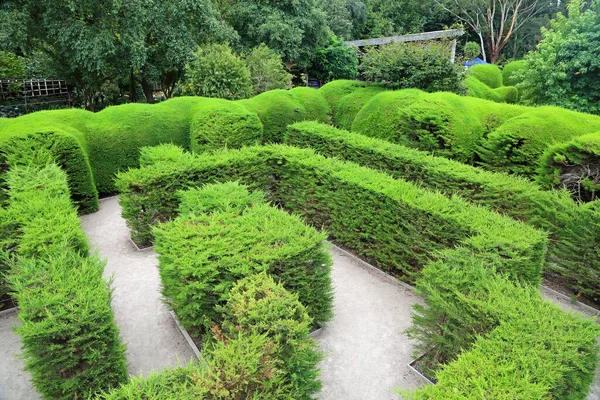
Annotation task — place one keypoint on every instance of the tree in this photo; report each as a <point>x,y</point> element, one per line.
<point>411,65</point>
<point>216,72</point>
<point>346,18</point>
<point>335,61</point>
<point>565,68</point>
<point>387,18</point>
<point>292,28</point>
<point>11,66</point>
<point>267,71</point>
<point>494,21</point>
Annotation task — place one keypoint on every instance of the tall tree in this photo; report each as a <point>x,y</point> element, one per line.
<point>346,18</point>
<point>292,28</point>
<point>495,21</point>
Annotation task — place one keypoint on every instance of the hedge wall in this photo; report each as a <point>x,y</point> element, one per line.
<point>488,74</point>
<point>444,123</point>
<point>70,342</point>
<point>394,223</point>
<point>574,165</point>
<point>502,94</point>
<point>224,234</point>
<point>571,227</point>
<point>348,107</point>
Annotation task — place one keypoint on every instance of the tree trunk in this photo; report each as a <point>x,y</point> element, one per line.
<point>482,44</point>
<point>148,90</point>
<point>132,91</point>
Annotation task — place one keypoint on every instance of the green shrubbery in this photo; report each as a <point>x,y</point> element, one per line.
<point>393,223</point>
<point>221,123</point>
<point>511,71</point>
<point>488,74</point>
<point>502,94</point>
<point>225,242</point>
<point>349,105</point>
<point>574,165</point>
<point>572,228</point>
<point>70,342</point>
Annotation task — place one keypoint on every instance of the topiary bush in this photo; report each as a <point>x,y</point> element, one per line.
<point>511,71</point>
<point>502,94</point>
<point>489,74</point>
<point>573,165</point>
<point>316,107</point>
<point>350,105</point>
<point>258,238</point>
<point>221,123</point>
<point>334,91</point>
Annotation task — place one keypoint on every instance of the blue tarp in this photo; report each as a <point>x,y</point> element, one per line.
<point>474,62</point>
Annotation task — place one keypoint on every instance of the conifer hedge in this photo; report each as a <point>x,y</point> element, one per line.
<point>572,227</point>
<point>70,342</point>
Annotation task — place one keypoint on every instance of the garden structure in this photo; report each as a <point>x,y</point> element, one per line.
<point>421,185</point>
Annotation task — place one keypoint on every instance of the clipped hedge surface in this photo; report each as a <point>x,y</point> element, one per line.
<point>517,145</point>
<point>70,342</point>
<point>502,94</point>
<point>393,223</point>
<point>349,106</point>
<point>523,347</point>
<point>488,74</point>
<point>509,77</point>
<point>215,242</point>
<point>222,123</point>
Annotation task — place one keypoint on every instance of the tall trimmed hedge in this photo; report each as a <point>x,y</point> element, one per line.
<point>393,223</point>
<point>571,227</point>
<point>229,234</point>
<point>221,123</point>
<point>70,342</point>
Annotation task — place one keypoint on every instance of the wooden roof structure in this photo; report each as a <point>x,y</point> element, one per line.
<point>413,37</point>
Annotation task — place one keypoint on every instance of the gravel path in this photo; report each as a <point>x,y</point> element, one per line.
<point>365,350</point>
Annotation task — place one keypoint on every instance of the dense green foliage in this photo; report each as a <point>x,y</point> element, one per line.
<point>221,123</point>
<point>335,61</point>
<point>391,222</point>
<point>267,71</point>
<point>70,342</point>
<point>574,165</point>
<point>471,50</point>
<point>259,238</point>
<point>511,73</point>
<point>502,94</point>
<point>350,105</point>
<point>407,65</point>
<point>216,72</point>
<point>487,73</point>
<point>11,66</point>
<point>571,227</point>
<point>563,70</point>
<point>519,346</point>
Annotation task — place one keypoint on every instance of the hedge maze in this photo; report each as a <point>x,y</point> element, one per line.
<point>455,195</point>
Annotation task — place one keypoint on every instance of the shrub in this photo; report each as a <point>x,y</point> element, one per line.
<point>259,306</point>
<point>276,110</point>
<point>508,94</point>
<point>444,123</point>
<point>334,91</point>
<point>350,105</point>
<point>335,61</point>
<point>216,72</point>
<point>390,222</point>
<point>502,94</point>
<point>571,227</point>
<point>408,65</point>
<point>511,73</point>
<point>228,197</point>
<point>523,347</point>
<point>267,71</point>
<point>70,342</point>
<point>574,165</point>
<point>517,145</point>
<point>316,107</point>
<point>221,123</point>
<point>471,50</point>
<point>489,74</point>
<point>258,238</point>
<point>150,155</point>
<point>11,66</point>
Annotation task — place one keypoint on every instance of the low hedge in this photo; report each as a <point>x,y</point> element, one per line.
<point>502,94</point>
<point>574,165</point>
<point>262,351</point>
<point>334,91</point>
<point>222,123</point>
<point>518,144</point>
<point>488,74</point>
<point>70,342</point>
<point>444,123</point>
<point>571,227</point>
<point>349,105</point>
<point>393,223</point>
<point>523,347</point>
<point>315,105</point>
<point>227,241</point>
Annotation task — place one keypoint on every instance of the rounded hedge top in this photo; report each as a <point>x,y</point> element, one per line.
<point>487,73</point>
<point>508,73</point>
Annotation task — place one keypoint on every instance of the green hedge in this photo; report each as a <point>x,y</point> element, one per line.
<point>571,227</point>
<point>226,240</point>
<point>488,74</point>
<point>524,347</point>
<point>222,123</point>
<point>70,342</point>
<point>334,91</point>
<point>509,77</point>
<point>502,94</point>
<point>315,105</point>
<point>349,106</point>
<point>575,165</point>
<point>262,351</point>
<point>518,144</point>
<point>444,123</point>
<point>393,223</point>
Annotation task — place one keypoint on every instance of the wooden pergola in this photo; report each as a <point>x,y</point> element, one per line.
<point>413,37</point>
